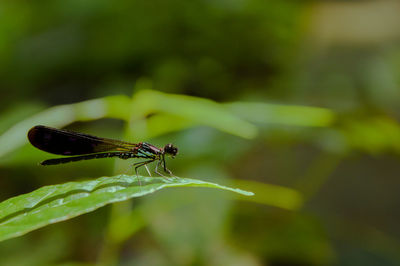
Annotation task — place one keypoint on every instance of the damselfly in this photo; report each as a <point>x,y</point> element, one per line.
<point>79,146</point>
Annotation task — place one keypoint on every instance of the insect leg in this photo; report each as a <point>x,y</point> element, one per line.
<point>166,169</point>
<point>140,164</point>
<point>156,170</point>
<point>145,166</point>
<point>136,171</point>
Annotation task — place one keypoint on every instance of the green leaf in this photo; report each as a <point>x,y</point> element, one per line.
<point>272,195</point>
<point>373,135</point>
<point>18,112</point>
<point>294,115</point>
<point>51,204</point>
<point>190,111</point>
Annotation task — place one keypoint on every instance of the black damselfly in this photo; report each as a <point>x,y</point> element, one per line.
<point>79,146</point>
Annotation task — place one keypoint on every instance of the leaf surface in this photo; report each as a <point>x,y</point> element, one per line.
<point>51,204</point>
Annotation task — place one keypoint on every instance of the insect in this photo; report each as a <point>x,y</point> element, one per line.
<point>80,146</point>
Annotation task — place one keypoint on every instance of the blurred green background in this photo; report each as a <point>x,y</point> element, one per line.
<point>326,177</point>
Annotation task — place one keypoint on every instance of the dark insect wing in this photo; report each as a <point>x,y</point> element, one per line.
<point>64,142</point>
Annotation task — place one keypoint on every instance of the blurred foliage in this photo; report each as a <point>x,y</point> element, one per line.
<point>297,101</point>
<point>178,44</point>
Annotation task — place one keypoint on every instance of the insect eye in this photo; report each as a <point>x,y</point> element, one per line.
<point>171,149</point>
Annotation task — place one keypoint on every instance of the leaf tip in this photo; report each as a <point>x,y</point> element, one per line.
<point>245,193</point>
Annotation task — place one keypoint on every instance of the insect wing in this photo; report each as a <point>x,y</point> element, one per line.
<point>64,142</point>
